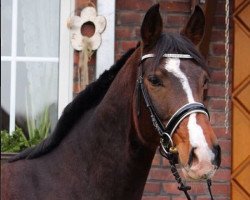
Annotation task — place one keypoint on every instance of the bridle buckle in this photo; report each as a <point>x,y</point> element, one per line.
<point>173,150</point>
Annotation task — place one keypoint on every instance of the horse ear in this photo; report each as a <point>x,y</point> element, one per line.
<point>194,29</point>
<point>151,28</point>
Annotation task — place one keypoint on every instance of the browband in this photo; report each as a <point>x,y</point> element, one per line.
<point>166,55</point>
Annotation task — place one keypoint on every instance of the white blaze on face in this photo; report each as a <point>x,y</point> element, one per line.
<point>196,135</point>
<point>173,66</point>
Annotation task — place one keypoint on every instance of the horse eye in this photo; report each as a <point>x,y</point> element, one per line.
<point>155,80</point>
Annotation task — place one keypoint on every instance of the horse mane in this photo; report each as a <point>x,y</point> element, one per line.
<point>85,100</point>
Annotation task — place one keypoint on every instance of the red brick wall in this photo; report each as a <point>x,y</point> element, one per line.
<point>129,14</point>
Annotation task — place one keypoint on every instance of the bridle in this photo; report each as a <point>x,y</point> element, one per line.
<point>167,148</point>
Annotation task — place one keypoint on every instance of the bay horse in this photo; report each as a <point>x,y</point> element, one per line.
<point>106,138</point>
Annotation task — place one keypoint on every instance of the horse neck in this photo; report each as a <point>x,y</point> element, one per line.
<point>117,155</point>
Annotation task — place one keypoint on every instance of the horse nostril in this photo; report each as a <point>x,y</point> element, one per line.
<point>192,156</point>
<point>217,155</point>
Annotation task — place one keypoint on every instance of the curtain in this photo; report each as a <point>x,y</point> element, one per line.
<point>38,36</point>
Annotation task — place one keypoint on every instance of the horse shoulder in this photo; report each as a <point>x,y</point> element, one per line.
<point>16,181</point>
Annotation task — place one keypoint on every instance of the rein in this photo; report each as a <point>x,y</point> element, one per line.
<point>167,148</point>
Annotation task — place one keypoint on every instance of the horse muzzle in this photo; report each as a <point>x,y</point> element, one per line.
<point>199,166</point>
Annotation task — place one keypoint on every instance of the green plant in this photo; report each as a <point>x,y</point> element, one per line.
<point>15,142</point>
<point>39,130</point>
<point>38,125</point>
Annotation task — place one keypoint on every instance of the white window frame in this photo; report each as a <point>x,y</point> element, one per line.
<point>65,60</point>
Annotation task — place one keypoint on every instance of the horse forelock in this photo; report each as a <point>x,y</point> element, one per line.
<point>85,100</point>
<point>177,44</point>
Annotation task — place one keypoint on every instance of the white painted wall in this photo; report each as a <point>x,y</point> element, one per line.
<point>106,53</point>
<point>65,93</point>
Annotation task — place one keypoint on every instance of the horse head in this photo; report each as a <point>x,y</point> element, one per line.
<point>173,78</point>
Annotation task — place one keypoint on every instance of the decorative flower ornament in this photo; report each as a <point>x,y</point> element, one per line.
<point>75,24</point>
<point>86,45</point>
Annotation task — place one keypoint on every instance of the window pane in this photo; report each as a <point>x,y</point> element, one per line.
<point>5,95</point>
<point>36,95</point>
<point>38,28</point>
<point>6,16</point>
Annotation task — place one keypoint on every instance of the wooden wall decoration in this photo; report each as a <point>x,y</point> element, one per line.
<point>88,43</point>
